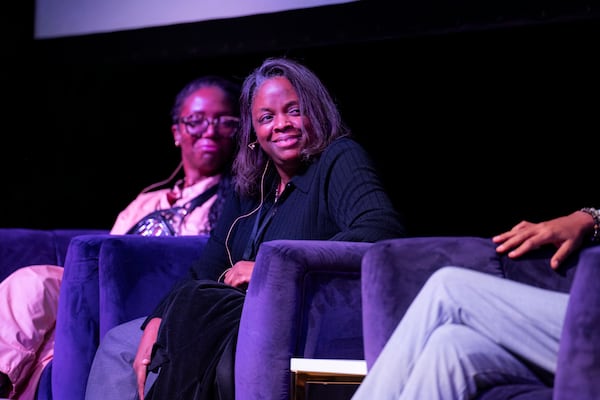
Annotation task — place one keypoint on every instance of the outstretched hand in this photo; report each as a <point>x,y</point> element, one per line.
<point>565,233</point>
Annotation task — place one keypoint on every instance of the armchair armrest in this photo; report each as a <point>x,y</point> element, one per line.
<point>393,272</point>
<point>578,366</point>
<point>110,279</point>
<point>303,301</point>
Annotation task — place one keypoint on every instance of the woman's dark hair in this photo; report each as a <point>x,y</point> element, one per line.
<point>316,104</point>
<point>231,89</point>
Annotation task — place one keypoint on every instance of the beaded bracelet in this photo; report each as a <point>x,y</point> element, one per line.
<point>596,216</point>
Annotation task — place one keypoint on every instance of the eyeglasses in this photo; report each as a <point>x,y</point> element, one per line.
<point>225,125</point>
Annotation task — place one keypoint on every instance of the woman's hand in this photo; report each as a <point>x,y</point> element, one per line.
<point>239,275</point>
<point>566,233</point>
<point>144,353</point>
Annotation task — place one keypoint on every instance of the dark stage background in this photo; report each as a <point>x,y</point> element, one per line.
<point>477,117</point>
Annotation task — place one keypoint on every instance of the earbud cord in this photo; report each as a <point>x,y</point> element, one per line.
<point>262,180</point>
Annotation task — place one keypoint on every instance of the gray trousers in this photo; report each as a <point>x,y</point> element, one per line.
<point>112,376</point>
<point>466,331</point>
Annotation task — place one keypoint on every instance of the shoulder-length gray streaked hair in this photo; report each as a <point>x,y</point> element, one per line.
<point>316,103</point>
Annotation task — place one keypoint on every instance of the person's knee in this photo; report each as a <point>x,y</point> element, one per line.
<point>446,294</point>
<point>444,280</point>
<point>125,335</point>
<point>37,275</point>
<point>114,335</point>
<point>449,275</point>
<point>448,335</point>
<point>37,286</point>
<point>456,282</point>
<point>448,344</point>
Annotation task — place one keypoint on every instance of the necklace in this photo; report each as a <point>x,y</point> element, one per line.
<point>277,193</point>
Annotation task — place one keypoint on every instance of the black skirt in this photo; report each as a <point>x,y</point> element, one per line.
<point>195,350</point>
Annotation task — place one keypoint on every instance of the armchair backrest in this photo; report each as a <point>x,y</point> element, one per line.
<point>21,247</point>
<point>110,279</point>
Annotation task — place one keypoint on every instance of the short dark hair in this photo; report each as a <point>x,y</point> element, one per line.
<point>231,89</point>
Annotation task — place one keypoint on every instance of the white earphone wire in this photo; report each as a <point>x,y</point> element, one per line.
<point>262,197</point>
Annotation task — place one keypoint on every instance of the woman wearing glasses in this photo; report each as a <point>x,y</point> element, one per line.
<point>297,175</point>
<point>205,122</point>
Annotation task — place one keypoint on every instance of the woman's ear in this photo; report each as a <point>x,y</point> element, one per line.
<point>176,134</point>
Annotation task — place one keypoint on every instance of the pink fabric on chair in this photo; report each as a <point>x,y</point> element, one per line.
<point>32,295</point>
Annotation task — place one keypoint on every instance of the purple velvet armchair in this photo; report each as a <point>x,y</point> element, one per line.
<point>393,271</point>
<point>110,279</point>
<point>303,301</point>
